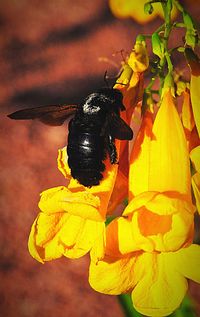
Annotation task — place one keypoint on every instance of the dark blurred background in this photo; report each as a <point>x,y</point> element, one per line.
<point>51,52</point>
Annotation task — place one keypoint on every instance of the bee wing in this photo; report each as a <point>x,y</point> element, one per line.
<point>53,115</point>
<point>119,129</point>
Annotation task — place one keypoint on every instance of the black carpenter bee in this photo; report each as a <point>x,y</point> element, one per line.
<point>92,131</point>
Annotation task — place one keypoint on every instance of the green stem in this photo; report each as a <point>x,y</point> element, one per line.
<point>168,25</point>
<point>127,306</point>
<point>169,62</point>
<point>178,5</point>
<point>167,7</point>
<point>150,85</point>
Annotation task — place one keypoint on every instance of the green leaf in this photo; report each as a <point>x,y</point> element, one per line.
<point>157,45</point>
<point>148,8</point>
<point>191,34</point>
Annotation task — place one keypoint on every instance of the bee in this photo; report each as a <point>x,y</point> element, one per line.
<point>95,125</point>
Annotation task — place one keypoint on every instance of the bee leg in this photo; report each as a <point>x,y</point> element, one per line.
<point>112,152</point>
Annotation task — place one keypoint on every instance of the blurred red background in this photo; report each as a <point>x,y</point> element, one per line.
<point>49,54</point>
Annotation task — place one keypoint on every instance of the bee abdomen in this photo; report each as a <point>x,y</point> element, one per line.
<point>85,157</point>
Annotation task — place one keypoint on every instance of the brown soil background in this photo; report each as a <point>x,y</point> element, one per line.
<point>49,54</point>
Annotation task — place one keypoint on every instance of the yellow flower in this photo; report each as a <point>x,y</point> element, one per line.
<point>187,116</point>
<point>195,95</point>
<point>193,142</point>
<point>157,281</point>
<point>148,251</point>
<point>190,117</point>
<point>159,183</point>
<point>72,217</point>
<point>195,158</point>
<point>131,81</point>
<point>135,10</point>
<point>156,165</point>
<point>194,63</point>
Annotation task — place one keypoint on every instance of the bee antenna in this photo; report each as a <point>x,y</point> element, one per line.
<point>122,53</point>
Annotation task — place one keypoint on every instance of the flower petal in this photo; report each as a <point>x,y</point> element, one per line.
<point>187,262</point>
<point>162,233</point>
<point>84,236</point>
<point>62,234</point>
<point>155,152</point>
<point>165,203</point>
<point>138,59</point>
<point>120,237</point>
<point>195,158</point>
<point>187,115</point>
<point>160,288</point>
<point>81,203</point>
<point>196,189</point>
<point>169,136</point>
<point>140,158</point>
<point>62,162</point>
<point>119,193</point>
<point>160,221</point>
<point>43,239</point>
<point>112,276</point>
<point>195,97</point>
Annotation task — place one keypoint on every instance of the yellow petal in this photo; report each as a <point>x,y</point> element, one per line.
<point>132,93</point>
<point>112,276</point>
<point>195,97</point>
<point>120,237</point>
<point>165,203</point>
<point>196,189</point>
<point>124,77</point>
<point>83,204</point>
<point>195,158</point>
<point>187,262</point>
<point>160,288</point>
<point>169,160</point>
<point>160,221</point>
<point>55,235</point>
<point>62,162</point>
<point>162,233</point>
<point>85,237</point>
<point>140,158</point>
<point>138,59</point>
<point>119,193</point>
<point>187,115</point>
<point>153,155</point>
<point>194,63</point>
<point>35,251</point>
<point>43,241</point>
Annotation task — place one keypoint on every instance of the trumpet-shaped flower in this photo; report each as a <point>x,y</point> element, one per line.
<point>157,280</point>
<point>72,217</point>
<point>148,251</point>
